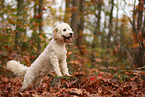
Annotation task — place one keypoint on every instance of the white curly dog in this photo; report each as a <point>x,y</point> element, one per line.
<point>53,55</point>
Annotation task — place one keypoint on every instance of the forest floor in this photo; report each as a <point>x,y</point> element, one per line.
<point>79,85</point>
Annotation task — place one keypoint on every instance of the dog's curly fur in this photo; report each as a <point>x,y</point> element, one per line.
<point>53,55</point>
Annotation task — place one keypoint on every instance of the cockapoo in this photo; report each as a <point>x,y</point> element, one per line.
<point>53,55</point>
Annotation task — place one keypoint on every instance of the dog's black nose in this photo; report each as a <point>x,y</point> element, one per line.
<point>70,34</point>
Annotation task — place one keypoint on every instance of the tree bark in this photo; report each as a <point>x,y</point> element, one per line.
<point>110,22</point>
<point>67,11</point>
<point>79,38</point>
<point>19,26</point>
<point>75,17</point>
<point>139,56</point>
<point>2,6</point>
<point>34,27</point>
<point>97,30</point>
<point>40,24</point>
<point>116,24</point>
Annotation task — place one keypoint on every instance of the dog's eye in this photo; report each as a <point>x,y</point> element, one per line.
<point>64,29</point>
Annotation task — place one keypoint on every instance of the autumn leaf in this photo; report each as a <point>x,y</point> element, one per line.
<point>99,33</point>
<point>99,75</point>
<point>74,9</point>
<point>44,8</point>
<point>35,95</point>
<point>34,23</point>
<point>69,53</point>
<point>5,79</point>
<point>38,16</point>
<point>28,62</point>
<point>98,59</point>
<point>77,62</point>
<point>92,78</point>
<point>143,73</point>
<point>76,90</point>
<point>136,45</point>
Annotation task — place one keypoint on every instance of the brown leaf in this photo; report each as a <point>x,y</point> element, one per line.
<point>35,95</point>
<point>77,62</point>
<point>47,94</point>
<point>74,9</point>
<point>44,8</point>
<point>98,59</point>
<point>5,79</point>
<point>76,91</point>
<point>92,78</point>
<point>27,60</point>
<point>38,16</point>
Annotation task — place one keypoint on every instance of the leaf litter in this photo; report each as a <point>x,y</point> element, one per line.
<point>79,85</point>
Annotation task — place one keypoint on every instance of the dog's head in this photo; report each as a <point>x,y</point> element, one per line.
<point>63,32</point>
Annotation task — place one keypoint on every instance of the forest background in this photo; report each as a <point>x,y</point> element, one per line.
<point>109,35</point>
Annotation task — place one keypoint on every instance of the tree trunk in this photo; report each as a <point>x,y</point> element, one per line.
<point>19,25</point>
<point>134,13</point>
<point>116,24</point>
<point>143,29</point>
<point>79,38</point>
<point>97,30</point>
<point>1,14</point>
<point>75,17</point>
<point>34,27</point>
<point>110,22</point>
<point>103,33</point>
<point>40,24</point>
<point>139,57</point>
<point>67,11</point>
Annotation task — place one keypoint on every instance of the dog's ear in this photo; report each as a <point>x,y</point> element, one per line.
<point>55,30</point>
<point>55,33</point>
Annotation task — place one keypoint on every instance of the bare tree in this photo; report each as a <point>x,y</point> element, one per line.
<point>116,24</point>
<point>139,56</point>
<point>110,22</point>
<point>97,28</point>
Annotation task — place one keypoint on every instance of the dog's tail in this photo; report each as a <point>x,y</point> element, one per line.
<point>17,68</point>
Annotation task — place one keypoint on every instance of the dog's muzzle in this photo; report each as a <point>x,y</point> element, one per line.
<point>68,38</point>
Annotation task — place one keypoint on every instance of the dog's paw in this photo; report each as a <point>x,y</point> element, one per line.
<point>60,75</point>
<point>21,91</point>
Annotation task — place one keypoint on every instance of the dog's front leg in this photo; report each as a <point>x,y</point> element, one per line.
<point>55,64</point>
<point>64,67</point>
